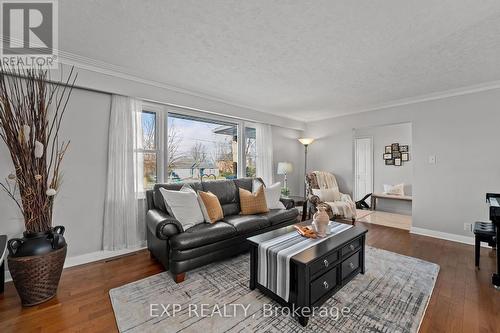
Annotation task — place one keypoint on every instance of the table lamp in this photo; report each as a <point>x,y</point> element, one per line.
<point>284,168</point>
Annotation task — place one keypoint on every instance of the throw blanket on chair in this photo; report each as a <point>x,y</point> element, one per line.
<point>325,180</point>
<point>273,269</point>
<point>345,207</point>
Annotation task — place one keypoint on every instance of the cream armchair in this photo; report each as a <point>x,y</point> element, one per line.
<point>322,190</point>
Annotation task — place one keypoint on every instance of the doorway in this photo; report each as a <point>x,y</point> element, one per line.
<point>363,167</point>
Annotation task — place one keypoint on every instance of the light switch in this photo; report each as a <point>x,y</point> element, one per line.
<point>432,159</point>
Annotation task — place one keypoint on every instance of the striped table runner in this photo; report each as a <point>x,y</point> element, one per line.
<point>274,258</point>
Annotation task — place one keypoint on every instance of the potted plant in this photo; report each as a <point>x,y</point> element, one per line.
<point>31,111</point>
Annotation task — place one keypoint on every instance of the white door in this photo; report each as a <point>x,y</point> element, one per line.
<point>363,167</point>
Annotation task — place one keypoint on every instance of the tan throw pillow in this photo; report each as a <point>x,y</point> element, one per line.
<point>212,205</point>
<point>253,203</point>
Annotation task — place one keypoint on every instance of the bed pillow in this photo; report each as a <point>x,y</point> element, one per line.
<point>398,189</point>
<point>253,203</point>
<point>273,195</point>
<point>327,195</point>
<point>183,206</point>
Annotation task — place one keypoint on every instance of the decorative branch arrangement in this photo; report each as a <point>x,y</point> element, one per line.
<point>31,110</point>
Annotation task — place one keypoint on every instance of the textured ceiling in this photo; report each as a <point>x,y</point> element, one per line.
<point>323,58</point>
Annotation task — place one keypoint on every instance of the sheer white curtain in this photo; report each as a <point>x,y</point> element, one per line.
<point>264,149</point>
<point>122,226</point>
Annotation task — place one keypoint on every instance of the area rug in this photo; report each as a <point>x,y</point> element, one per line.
<point>390,297</point>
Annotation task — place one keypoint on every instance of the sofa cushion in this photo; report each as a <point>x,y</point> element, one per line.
<point>158,200</point>
<point>202,234</point>
<point>225,190</point>
<point>231,209</point>
<point>277,216</point>
<point>244,183</point>
<point>247,223</point>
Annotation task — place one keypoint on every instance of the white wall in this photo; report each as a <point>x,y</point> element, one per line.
<point>286,148</point>
<point>462,132</point>
<point>80,202</point>
<point>390,174</point>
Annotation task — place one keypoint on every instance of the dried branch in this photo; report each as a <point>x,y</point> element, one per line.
<point>31,112</point>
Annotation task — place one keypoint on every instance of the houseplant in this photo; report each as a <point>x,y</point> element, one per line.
<point>31,111</point>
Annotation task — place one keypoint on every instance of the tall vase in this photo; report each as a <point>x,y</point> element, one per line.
<point>36,262</point>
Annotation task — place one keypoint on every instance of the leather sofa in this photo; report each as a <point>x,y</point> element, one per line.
<point>181,250</point>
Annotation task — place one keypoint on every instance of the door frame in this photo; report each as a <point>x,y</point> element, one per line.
<point>354,188</point>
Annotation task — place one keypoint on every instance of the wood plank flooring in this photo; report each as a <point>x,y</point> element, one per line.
<point>463,298</point>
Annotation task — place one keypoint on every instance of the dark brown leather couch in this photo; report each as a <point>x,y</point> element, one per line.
<point>181,250</point>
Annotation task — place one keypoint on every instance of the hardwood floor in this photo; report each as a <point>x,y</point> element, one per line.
<point>463,299</point>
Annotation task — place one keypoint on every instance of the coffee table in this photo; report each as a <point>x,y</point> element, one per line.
<point>317,272</point>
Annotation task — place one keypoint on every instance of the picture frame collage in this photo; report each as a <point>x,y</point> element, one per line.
<point>396,154</point>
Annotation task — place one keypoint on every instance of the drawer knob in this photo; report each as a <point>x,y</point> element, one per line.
<point>325,284</point>
<point>352,247</point>
<point>351,265</point>
<point>326,263</point>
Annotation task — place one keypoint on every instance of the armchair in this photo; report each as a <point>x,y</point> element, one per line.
<point>342,207</point>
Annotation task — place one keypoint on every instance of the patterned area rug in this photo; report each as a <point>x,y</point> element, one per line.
<point>391,297</point>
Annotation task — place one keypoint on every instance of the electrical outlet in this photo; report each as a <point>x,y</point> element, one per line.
<point>432,159</point>
<point>468,227</point>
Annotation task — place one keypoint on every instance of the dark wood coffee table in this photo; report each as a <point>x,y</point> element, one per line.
<point>317,272</point>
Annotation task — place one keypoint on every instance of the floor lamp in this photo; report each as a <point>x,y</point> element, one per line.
<point>306,142</point>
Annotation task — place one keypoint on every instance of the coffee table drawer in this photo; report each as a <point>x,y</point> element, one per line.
<point>323,284</point>
<point>351,247</point>
<point>350,265</point>
<point>323,264</point>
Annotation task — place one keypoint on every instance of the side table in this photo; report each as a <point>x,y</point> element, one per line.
<point>298,201</point>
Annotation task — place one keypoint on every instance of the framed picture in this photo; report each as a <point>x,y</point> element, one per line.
<point>403,149</point>
<point>395,147</point>
<point>396,154</point>
<point>389,162</point>
<point>397,162</point>
<point>388,149</point>
<point>387,156</point>
<point>405,157</point>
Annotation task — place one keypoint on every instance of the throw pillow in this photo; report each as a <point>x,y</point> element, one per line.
<point>273,195</point>
<point>184,206</point>
<point>328,195</point>
<point>398,189</point>
<point>212,206</point>
<point>253,203</point>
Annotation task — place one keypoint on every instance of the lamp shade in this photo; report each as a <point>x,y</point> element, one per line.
<point>306,141</point>
<point>284,168</point>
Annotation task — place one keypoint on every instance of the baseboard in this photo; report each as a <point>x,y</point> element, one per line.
<point>446,236</point>
<point>88,258</point>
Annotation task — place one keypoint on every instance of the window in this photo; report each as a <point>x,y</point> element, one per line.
<point>200,148</point>
<point>250,151</point>
<point>176,145</point>
<point>147,149</point>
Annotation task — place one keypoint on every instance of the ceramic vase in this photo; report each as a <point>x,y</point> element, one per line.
<point>321,220</point>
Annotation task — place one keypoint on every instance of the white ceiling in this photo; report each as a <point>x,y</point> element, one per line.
<point>299,59</point>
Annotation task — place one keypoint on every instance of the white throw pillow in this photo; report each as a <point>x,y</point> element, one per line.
<point>327,195</point>
<point>273,194</point>
<point>184,206</point>
<point>398,189</point>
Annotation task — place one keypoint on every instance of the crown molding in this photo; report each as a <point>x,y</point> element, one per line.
<point>473,89</point>
<point>98,66</point>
